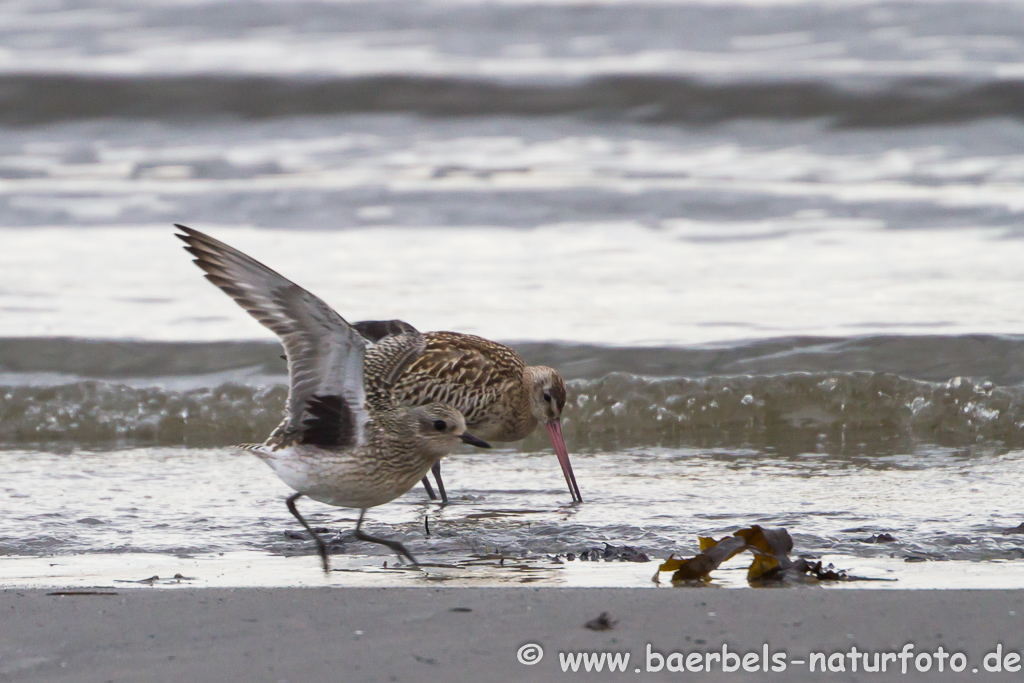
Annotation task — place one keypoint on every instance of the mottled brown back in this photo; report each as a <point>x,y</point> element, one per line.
<point>471,373</point>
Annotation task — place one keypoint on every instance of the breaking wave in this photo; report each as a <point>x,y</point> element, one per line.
<point>93,413</point>
<point>857,412</point>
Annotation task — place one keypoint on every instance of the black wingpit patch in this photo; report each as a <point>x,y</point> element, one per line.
<point>375,330</point>
<point>329,422</point>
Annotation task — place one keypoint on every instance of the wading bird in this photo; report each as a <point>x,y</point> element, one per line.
<point>345,439</point>
<point>501,397</point>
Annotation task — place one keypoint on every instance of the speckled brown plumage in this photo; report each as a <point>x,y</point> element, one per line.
<point>501,397</point>
<point>486,381</point>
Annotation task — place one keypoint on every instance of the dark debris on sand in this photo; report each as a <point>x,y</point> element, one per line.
<point>609,553</point>
<point>601,623</point>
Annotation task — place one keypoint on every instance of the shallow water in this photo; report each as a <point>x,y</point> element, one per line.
<point>938,504</point>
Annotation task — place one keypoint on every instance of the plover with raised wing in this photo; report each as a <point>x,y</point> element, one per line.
<point>501,397</point>
<point>345,439</point>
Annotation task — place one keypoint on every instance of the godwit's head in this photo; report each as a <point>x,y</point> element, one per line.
<point>547,393</point>
<point>547,399</point>
<point>442,428</point>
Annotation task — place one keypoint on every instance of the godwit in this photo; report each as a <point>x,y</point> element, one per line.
<point>501,397</point>
<point>345,440</point>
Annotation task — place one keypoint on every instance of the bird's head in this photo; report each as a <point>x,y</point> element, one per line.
<point>443,428</point>
<point>547,396</point>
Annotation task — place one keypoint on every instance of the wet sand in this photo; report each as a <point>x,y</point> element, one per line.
<point>453,634</point>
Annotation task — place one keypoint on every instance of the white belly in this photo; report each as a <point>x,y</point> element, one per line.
<point>339,479</point>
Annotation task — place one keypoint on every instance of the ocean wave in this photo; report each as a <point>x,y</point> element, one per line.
<point>27,99</point>
<point>858,412</point>
<point>869,394</point>
<point>192,364</point>
<point>851,413</point>
<point>92,412</point>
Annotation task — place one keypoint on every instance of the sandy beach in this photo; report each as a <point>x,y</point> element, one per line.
<point>395,634</point>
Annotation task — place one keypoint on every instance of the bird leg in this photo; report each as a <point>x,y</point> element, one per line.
<point>320,545</point>
<point>397,547</point>
<point>429,488</point>
<point>436,469</point>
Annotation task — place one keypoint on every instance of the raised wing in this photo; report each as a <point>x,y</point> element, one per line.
<point>326,397</point>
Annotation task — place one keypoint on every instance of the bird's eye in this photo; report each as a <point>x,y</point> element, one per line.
<point>440,425</point>
<point>547,398</point>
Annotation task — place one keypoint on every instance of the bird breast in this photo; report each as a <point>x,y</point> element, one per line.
<point>352,478</point>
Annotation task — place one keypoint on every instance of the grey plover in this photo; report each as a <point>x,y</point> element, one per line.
<point>345,439</point>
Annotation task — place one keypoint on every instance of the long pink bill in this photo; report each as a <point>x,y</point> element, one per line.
<point>554,428</point>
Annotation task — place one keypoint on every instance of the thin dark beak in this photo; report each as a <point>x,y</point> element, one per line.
<point>554,428</point>
<point>473,441</point>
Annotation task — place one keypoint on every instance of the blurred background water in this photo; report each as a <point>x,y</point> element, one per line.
<point>775,246</point>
